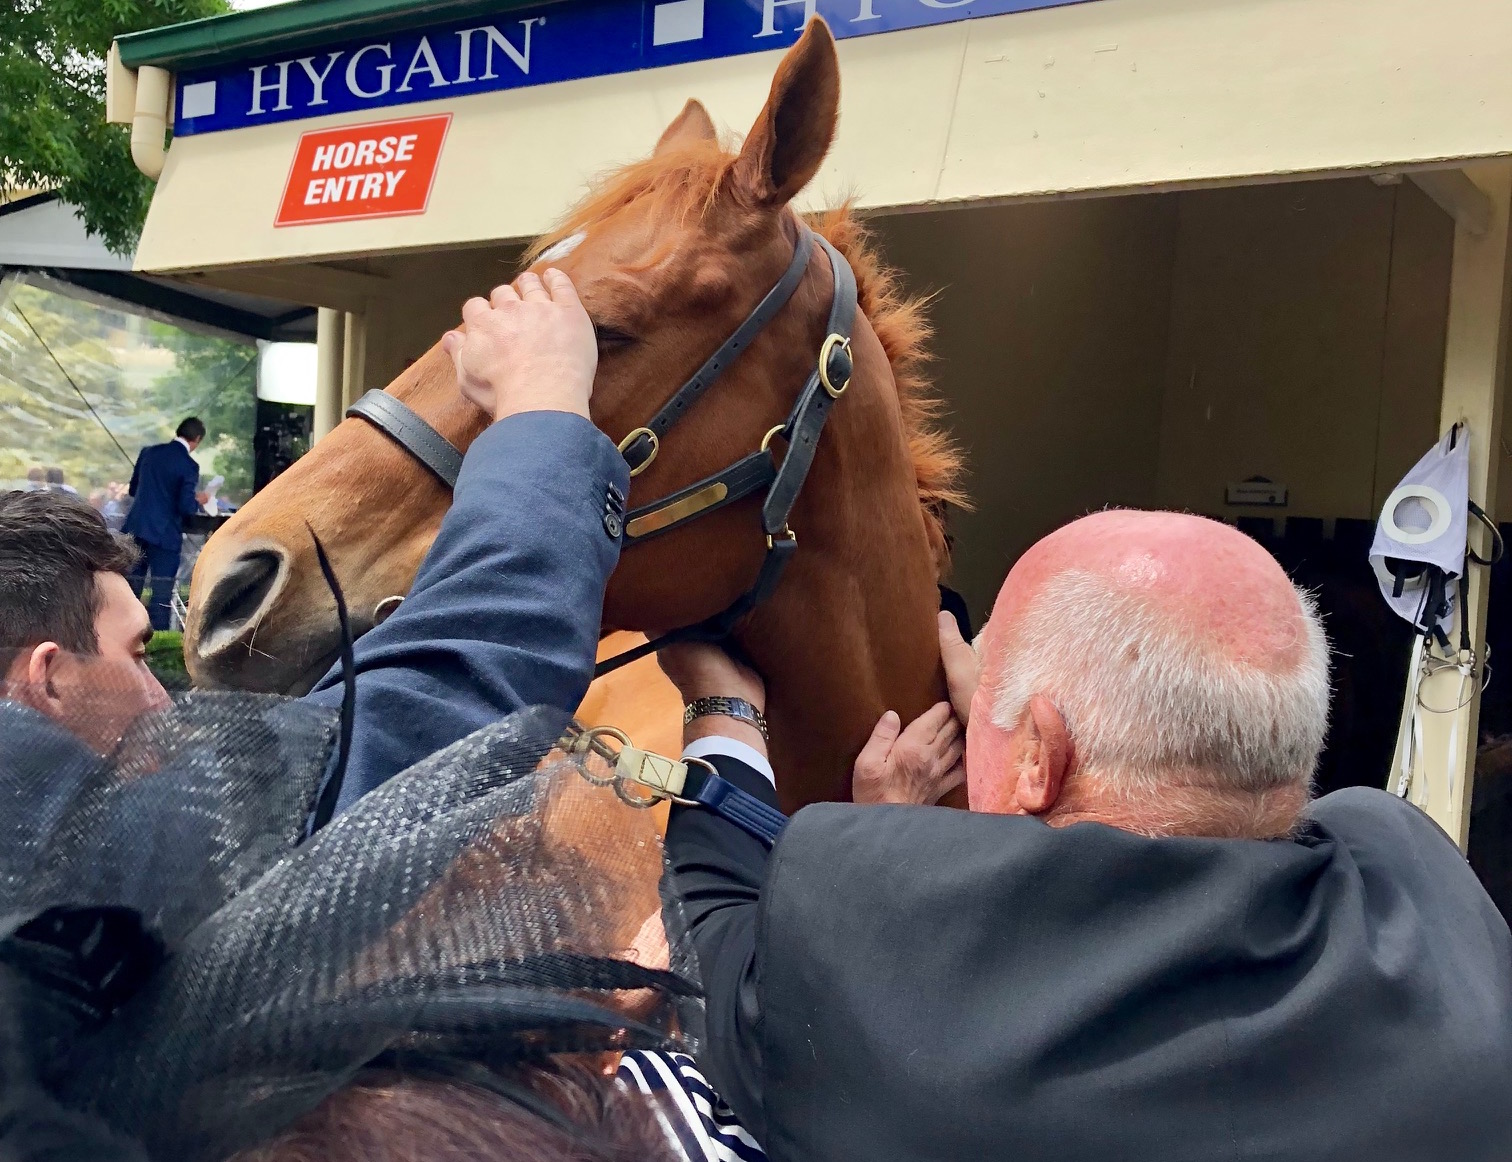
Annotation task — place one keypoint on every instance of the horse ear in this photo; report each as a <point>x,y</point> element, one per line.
<point>787,144</point>
<point>690,127</point>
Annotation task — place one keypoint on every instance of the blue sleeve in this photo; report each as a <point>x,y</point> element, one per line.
<point>188,503</point>
<point>505,610</point>
<point>136,474</point>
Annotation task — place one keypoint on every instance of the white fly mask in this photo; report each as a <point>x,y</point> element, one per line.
<point>1419,549</point>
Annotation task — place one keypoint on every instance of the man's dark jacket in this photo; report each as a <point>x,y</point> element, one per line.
<point>918,983</point>
<point>163,483</point>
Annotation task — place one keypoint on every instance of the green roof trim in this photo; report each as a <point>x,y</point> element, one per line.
<point>218,40</point>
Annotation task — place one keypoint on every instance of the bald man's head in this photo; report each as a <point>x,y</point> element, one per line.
<point>1174,652</point>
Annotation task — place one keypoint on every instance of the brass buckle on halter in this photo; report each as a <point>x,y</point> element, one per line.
<point>833,343</point>
<point>787,534</point>
<point>634,435</point>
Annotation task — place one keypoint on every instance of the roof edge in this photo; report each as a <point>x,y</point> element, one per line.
<point>283,28</point>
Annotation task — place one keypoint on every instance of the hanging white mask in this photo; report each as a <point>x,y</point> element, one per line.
<point>1419,547</point>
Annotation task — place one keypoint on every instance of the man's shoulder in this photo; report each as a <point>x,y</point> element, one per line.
<point>1398,851</point>
<point>1368,817</point>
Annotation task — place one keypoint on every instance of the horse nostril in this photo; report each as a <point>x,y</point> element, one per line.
<point>240,594</point>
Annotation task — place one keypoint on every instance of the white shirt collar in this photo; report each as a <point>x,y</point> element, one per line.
<point>181,440</point>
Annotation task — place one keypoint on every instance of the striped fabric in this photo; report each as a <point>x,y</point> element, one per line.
<point>704,1126</point>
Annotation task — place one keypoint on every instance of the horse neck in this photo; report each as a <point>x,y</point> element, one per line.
<point>850,632</point>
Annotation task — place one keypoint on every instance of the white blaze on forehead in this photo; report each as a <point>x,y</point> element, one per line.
<point>562,249</point>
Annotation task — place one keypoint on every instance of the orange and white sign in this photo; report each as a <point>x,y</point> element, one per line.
<point>380,170</point>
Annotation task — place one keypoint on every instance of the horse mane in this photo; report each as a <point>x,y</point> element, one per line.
<point>685,182</point>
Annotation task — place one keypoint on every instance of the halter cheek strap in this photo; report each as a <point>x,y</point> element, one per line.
<point>640,447</point>
<point>825,384</point>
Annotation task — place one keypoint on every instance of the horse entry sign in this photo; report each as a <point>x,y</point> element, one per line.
<point>383,169</point>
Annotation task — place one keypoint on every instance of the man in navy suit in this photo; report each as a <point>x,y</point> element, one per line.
<point>164,483</point>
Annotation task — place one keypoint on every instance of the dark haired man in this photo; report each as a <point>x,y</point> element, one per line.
<point>165,483</point>
<point>57,483</point>
<point>72,634</point>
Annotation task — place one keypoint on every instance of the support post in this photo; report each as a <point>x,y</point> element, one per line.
<point>330,345</point>
<point>354,358</point>
<point>1474,371</point>
<point>1458,196</point>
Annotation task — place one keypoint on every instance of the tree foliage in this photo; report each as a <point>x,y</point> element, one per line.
<point>52,106</point>
<point>77,379</point>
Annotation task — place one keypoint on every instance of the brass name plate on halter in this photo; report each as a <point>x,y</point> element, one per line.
<point>677,510</point>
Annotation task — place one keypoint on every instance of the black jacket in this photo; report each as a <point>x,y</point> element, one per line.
<point>918,983</point>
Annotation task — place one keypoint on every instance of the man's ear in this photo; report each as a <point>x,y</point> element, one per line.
<point>693,126</point>
<point>40,664</point>
<point>787,144</point>
<point>1042,757</point>
<point>29,678</point>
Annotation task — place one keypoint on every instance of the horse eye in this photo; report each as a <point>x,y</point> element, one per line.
<point>611,338</point>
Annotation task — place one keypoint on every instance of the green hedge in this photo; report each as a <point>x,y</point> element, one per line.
<point>165,658</point>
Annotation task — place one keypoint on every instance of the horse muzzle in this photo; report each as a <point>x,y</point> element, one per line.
<point>223,624</point>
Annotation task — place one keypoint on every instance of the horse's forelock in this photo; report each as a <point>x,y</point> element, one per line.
<point>682,185</point>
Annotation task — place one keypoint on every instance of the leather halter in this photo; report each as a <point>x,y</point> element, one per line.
<point>402,424</point>
<point>750,474</point>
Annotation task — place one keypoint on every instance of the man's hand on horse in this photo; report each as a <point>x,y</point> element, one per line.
<point>962,671</point>
<point>528,347</point>
<point>919,765</point>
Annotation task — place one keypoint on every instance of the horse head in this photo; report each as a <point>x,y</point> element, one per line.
<point>669,255</point>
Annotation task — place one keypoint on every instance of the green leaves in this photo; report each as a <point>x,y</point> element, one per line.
<point>52,106</point>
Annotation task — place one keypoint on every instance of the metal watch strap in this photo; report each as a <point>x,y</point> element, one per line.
<point>737,708</point>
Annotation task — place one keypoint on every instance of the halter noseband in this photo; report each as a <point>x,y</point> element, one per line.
<point>783,482</point>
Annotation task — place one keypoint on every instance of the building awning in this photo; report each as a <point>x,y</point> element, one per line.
<point>1100,96</point>
<point>43,238</point>
<point>39,230</point>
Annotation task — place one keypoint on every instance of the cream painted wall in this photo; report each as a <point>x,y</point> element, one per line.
<point>1050,335</point>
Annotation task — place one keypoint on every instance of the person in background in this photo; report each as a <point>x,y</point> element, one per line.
<point>56,482</point>
<point>36,479</point>
<point>165,484</point>
<point>117,503</point>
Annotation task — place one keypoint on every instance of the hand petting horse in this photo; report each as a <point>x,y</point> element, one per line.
<point>673,257</point>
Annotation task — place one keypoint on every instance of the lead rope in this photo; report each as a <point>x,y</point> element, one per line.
<point>330,790</point>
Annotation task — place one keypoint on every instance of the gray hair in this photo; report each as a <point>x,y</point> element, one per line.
<point>1145,696</point>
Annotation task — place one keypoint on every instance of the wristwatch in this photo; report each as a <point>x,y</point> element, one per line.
<point>728,708</point>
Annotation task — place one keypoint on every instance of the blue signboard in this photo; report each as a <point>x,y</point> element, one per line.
<point>558,42</point>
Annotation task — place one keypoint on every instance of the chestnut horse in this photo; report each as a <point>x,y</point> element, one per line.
<point>669,256</point>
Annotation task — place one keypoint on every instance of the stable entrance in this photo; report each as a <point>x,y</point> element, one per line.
<point>1177,246</point>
